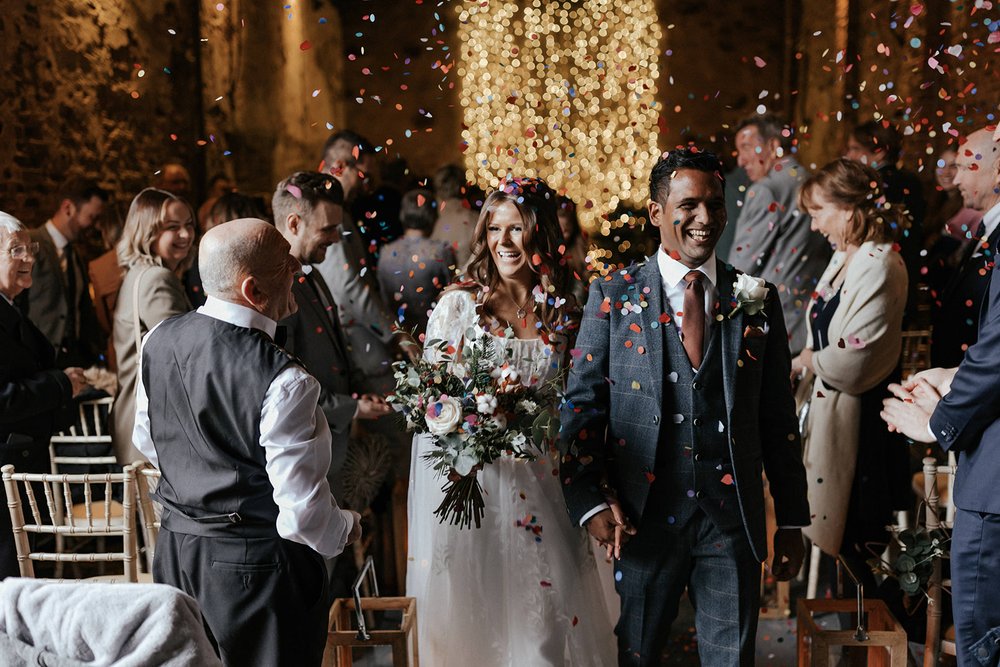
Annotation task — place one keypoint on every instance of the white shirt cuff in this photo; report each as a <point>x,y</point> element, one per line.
<point>600,508</point>
<point>931,431</point>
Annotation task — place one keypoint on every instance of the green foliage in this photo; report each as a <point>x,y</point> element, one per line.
<point>914,564</point>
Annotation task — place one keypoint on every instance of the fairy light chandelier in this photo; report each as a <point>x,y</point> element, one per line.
<point>564,91</point>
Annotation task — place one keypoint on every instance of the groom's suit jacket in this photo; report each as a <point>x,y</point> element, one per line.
<point>612,417</point>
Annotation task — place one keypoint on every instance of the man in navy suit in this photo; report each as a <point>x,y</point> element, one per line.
<point>956,316</point>
<point>678,400</point>
<point>960,408</point>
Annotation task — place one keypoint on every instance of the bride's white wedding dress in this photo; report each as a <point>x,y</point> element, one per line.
<point>523,590</point>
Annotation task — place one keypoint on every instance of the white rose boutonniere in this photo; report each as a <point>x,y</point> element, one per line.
<point>443,415</point>
<point>749,293</point>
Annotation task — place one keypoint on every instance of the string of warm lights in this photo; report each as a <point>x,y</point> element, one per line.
<point>564,91</point>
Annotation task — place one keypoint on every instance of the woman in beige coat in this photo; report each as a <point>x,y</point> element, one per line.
<point>154,250</point>
<point>855,468</point>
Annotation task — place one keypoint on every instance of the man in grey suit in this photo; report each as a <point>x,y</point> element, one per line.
<point>773,238</point>
<point>308,209</point>
<point>349,273</point>
<point>59,299</point>
<point>678,400</point>
<point>353,281</point>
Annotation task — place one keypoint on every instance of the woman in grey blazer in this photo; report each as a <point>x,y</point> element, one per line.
<point>857,471</point>
<point>155,250</point>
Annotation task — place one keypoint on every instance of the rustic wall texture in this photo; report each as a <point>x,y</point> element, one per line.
<point>74,102</point>
<point>113,88</point>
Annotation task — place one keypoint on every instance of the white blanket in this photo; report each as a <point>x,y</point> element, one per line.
<point>121,624</point>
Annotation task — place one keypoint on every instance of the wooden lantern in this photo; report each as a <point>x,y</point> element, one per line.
<point>342,636</point>
<point>885,638</point>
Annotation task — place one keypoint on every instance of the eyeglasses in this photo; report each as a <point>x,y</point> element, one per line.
<point>23,251</point>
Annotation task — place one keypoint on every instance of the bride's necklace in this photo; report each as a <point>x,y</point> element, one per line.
<point>521,312</point>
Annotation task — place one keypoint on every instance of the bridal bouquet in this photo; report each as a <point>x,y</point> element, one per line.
<point>476,411</point>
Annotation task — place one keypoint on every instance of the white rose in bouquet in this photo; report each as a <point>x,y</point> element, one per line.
<point>527,406</point>
<point>443,416</point>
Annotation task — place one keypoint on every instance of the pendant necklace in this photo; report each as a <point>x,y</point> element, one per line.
<point>521,312</point>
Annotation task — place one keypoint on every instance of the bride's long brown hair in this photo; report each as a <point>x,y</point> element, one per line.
<point>535,201</point>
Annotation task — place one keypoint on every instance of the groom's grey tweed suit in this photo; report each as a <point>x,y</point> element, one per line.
<point>683,452</point>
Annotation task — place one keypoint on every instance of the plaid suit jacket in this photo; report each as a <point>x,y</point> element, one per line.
<point>611,417</point>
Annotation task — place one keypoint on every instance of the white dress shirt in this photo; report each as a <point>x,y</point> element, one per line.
<point>672,275</point>
<point>58,239</point>
<point>296,441</point>
<point>990,221</point>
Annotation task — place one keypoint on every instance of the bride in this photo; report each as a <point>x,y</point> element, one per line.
<point>523,590</point>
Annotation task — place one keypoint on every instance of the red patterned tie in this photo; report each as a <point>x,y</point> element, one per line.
<point>693,322</point>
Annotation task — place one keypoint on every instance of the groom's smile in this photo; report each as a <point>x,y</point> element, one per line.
<point>692,217</point>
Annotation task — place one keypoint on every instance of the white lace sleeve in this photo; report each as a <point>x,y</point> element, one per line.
<point>454,313</point>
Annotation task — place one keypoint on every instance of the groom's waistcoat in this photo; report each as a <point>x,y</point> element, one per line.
<point>693,464</point>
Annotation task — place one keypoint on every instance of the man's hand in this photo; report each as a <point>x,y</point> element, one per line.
<point>372,406</point>
<point>788,553</point>
<point>918,391</point>
<point>355,533</point>
<point>909,413</point>
<point>801,364</point>
<point>76,379</point>
<point>611,528</point>
<point>939,378</point>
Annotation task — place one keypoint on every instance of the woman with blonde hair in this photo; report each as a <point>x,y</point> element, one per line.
<point>856,470</point>
<point>155,249</point>
<point>524,588</point>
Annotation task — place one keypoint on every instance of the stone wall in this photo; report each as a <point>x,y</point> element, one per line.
<point>719,62</point>
<point>112,89</point>
<point>273,86</point>
<point>101,89</point>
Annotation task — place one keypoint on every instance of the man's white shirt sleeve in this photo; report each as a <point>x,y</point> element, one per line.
<point>297,445</point>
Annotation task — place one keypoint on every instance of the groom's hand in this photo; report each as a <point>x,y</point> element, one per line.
<point>611,528</point>
<point>789,551</point>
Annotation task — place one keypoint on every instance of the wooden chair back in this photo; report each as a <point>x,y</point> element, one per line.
<point>934,646</point>
<point>916,351</point>
<point>91,429</point>
<point>56,493</point>
<point>146,479</point>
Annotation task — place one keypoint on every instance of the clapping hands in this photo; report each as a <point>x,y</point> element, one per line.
<point>914,401</point>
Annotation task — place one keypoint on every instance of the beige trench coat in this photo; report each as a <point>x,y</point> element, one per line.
<point>865,337</point>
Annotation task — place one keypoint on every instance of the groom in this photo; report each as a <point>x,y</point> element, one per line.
<point>678,399</point>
